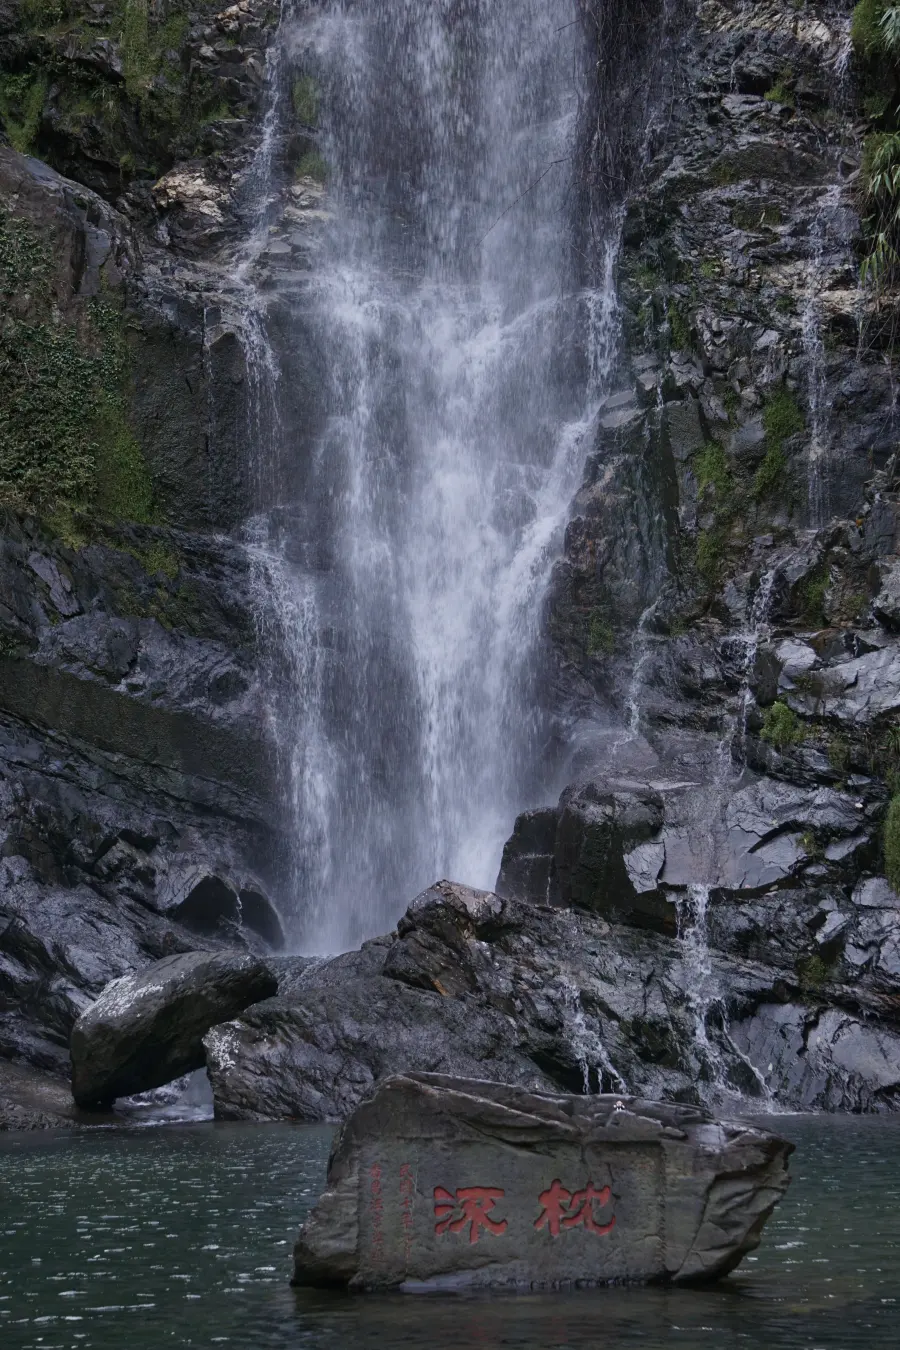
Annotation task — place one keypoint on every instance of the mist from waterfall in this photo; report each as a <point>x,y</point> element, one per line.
<point>464,357</point>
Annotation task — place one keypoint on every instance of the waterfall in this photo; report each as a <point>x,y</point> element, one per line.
<point>464,348</point>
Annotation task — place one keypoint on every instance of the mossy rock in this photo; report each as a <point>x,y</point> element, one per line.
<point>65,438</point>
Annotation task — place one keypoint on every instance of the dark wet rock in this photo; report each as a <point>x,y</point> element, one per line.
<point>548,998</point>
<point>597,850</point>
<point>583,1191</point>
<point>144,1030</point>
<point>135,773</point>
<point>30,1100</point>
<point>824,1059</point>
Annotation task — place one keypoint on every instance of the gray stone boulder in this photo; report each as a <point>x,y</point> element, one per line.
<point>443,1183</point>
<point>146,1029</point>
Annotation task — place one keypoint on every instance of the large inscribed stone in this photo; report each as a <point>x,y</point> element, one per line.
<point>438,1182</point>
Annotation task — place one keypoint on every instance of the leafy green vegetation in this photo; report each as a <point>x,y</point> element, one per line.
<point>65,441</point>
<point>875,28</point>
<point>839,753</point>
<point>875,31</point>
<point>710,553</point>
<point>782,417</point>
<point>157,90</point>
<point>40,14</point>
<point>812,971</point>
<point>782,727</point>
<point>892,842</point>
<point>781,91</point>
<point>645,276</point>
<point>22,99</point>
<point>712,469</point>
<point>159,558</point>
<point>811,595</point>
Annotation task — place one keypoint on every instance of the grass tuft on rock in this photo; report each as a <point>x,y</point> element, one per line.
<point>305,100</point>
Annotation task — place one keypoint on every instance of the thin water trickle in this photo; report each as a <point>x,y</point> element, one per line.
<point>587,1045</point>
<point>715,1054</point>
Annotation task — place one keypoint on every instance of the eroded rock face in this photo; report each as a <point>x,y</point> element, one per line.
<point>445,1183</point>
<point>144,1030</point>
<point>550,999</point>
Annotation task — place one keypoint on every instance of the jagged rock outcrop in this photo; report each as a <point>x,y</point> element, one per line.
<point>724,614</point>
<point>145,1030</point>
<point>583,1191</point>
<point>801,1015</point>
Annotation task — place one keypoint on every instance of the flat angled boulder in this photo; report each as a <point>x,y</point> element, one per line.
<point>446,1183</point>
<point>146,1029</point>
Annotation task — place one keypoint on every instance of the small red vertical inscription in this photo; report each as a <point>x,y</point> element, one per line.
<point>573,1209</point>
<point>469,1205</point>
<point>407,1191</point>
<point>377,1203</point>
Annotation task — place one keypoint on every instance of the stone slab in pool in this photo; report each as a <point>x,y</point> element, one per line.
<point>440,1183</point>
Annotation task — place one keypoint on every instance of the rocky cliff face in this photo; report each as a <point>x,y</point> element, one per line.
<point>137,815</point>
<point>728,591</point>
<point>724,620</point>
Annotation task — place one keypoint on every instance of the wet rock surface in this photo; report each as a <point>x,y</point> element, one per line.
<point>724,616</point>
<point>136,783</point>
<point>798,1013</point>
<point>583,1191</point>
<point>30,1100</point>
<point>145,1030</point>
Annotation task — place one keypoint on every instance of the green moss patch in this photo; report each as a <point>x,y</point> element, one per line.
<point>782,418</point>
<point>65,440</point>
<point>679,329</point>
<point>712,469</point>
<point>22,99</point>
<point>312,165</point>
<point>601,635</point>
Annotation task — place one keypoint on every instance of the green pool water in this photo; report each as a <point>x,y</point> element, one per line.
<point>181,1236</point>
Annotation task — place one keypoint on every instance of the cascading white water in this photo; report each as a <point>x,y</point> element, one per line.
<point>708,1007</point>
<point>464,360</point>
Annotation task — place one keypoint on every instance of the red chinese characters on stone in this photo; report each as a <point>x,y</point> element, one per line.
<point>469,1205</point>
<point>567,1209</point>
